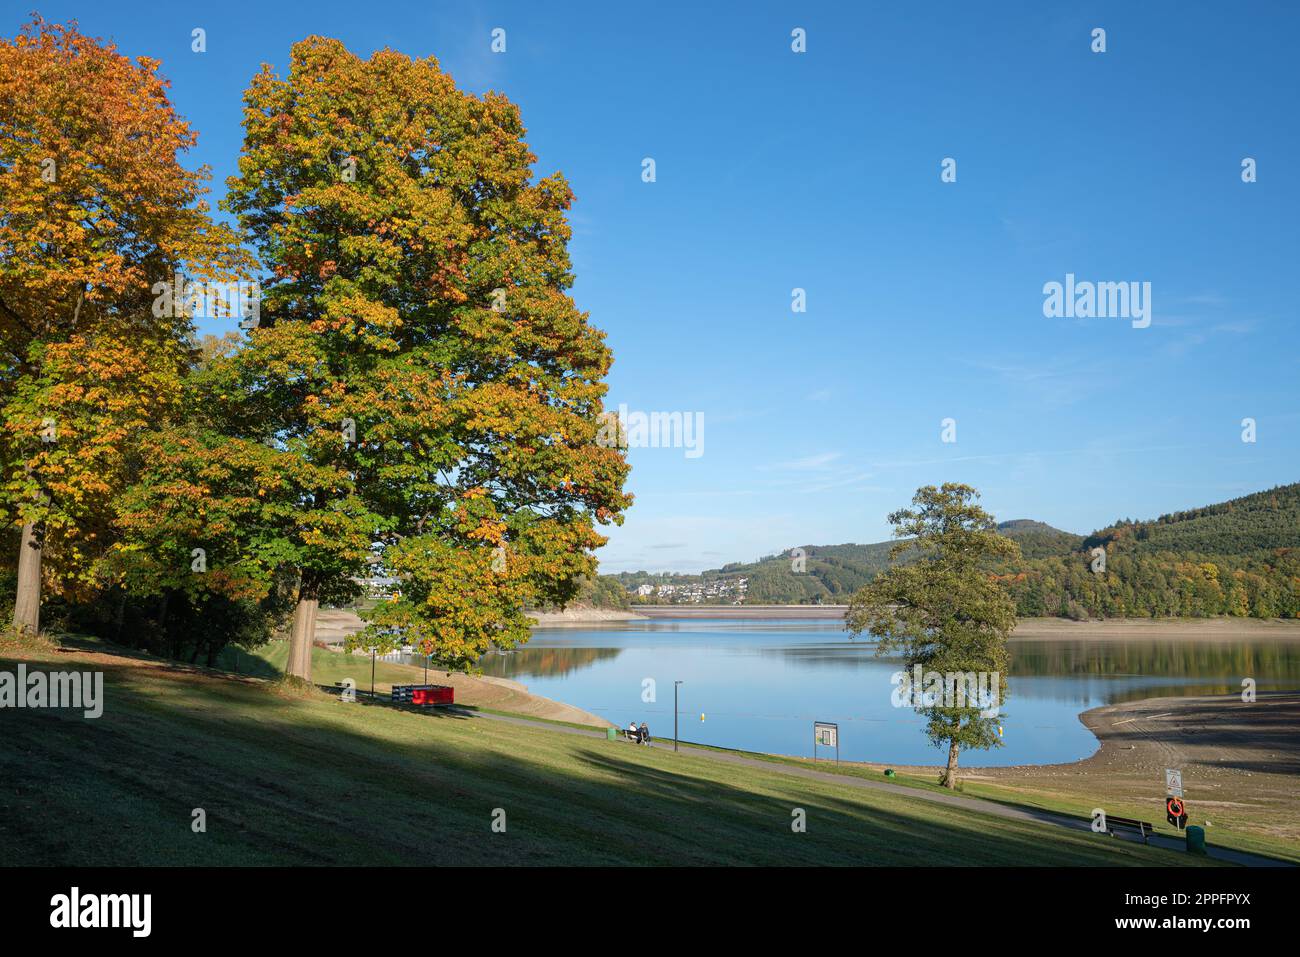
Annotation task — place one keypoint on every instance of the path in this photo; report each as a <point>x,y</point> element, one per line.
<point>976,805</point>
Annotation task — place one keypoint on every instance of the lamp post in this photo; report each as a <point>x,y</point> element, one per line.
<point>676,685</point>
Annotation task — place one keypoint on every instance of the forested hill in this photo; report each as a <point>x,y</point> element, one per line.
<point>1240,557</point>
<point>1038,539</point>
<point>1264,520</point>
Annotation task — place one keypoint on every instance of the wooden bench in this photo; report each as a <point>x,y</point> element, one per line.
<point>1144,828</point>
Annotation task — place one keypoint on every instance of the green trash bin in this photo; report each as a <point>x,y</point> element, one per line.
<point>1195,839</point>
<point>611,734</point>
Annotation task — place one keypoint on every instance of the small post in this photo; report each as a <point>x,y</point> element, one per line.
<point>372,672</point>
<point>675,686</point>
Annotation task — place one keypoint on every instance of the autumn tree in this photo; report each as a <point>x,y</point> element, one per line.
<point>418,338</point>
<point>74,419</point>
<point>944,610</point>
<point>95,209</point>
<point>218,523</point>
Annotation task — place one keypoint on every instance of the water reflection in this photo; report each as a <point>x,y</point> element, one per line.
<point>759,684</point>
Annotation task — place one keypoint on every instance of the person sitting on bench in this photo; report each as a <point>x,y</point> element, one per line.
<point>633,732</point>
<point>645,734</point>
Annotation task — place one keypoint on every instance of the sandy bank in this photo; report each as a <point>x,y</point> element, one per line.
<point>1147,629</point>
<point>580,616</point>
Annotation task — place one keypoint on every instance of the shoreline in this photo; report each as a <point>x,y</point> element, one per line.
<point>1240,761</point>
<point>1209,731</point>
<point>580,616</point>
<point>1185,629</point>
<point>742,612</point>
<point>1240,765</point>
<point>1027,629</point>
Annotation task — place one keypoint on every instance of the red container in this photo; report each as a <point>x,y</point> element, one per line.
<point>435,694</point>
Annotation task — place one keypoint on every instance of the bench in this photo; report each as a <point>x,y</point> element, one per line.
<point>1143,828</point>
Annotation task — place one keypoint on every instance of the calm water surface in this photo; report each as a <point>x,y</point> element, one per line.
<point>759,685</point>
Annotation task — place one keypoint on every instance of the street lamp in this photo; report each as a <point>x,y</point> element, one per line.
<point>676,684</point>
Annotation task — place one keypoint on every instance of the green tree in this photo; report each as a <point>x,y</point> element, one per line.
<point>943,609</point>
<point>217,518</point>
<point>418,339</point>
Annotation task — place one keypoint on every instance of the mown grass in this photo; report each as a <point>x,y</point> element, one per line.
<point>327,667</point>
<point>288,780</point>
<point>1067,797</point>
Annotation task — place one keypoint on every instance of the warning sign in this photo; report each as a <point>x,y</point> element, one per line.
<point>1173,782</point>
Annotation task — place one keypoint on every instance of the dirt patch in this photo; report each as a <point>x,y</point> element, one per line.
<point>1240,762</point>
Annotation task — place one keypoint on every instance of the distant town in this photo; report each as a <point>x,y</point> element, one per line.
<point>716,591</point>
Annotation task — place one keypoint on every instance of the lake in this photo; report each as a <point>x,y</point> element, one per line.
<point>760,685</point>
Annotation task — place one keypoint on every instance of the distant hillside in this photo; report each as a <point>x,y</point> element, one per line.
<point>1038,539</point>
<point>1264,520</point>
<point>827,574</point>
<point>1240,557</point>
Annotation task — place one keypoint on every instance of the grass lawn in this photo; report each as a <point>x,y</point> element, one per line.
<point>287,780</point>
<point>327,667</point>
<point>1242,829</point>
<point>1066,797</point>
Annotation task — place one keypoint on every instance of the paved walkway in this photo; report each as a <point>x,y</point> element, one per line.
<point>977,805</point>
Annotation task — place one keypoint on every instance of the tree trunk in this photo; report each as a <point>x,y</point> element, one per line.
<point>950,775</point>
<point>27,603</point>
<point>303,634</point>
<point>119,618</point>
<point>165,641</point>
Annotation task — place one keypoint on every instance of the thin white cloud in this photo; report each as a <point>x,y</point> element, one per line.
<point>809,463</point>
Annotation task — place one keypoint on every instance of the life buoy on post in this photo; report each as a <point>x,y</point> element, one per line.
<point>1176,812</point>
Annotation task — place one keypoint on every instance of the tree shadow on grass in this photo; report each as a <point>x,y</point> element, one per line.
<point>316,782</point>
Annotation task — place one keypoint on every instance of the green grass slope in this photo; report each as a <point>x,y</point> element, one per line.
<point>327,667</point>
<point>313,781</point>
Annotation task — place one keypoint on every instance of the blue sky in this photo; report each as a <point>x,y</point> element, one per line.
<point>821,170</point>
